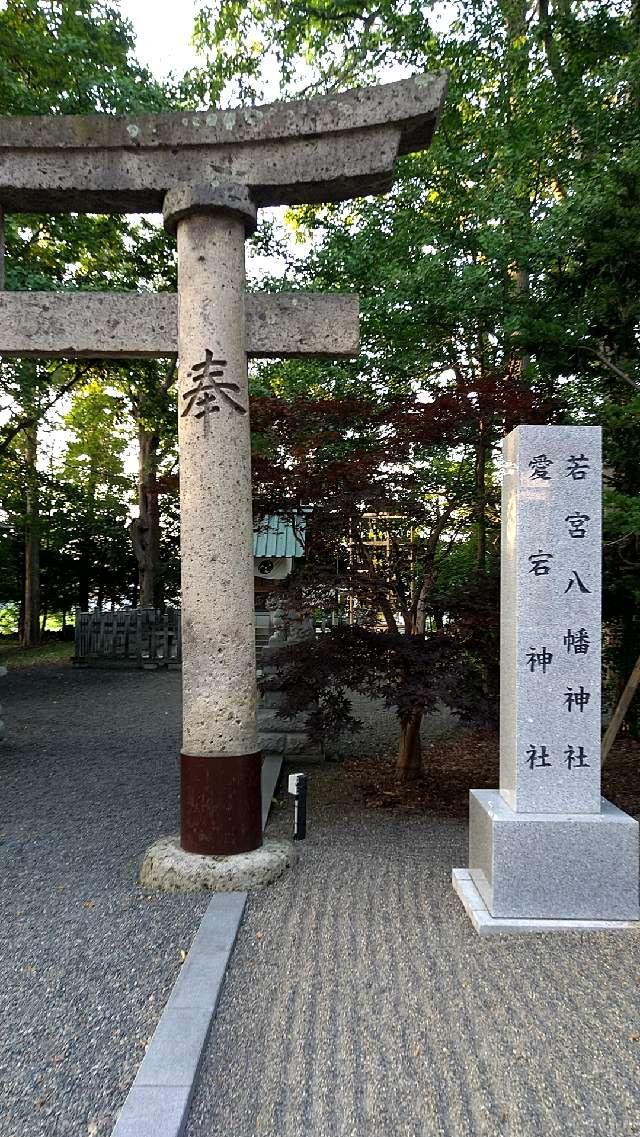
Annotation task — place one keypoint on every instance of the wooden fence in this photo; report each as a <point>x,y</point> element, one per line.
<point>139,637</point>
<point>142,637</point>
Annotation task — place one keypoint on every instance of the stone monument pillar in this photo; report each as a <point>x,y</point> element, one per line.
<point>220,762</point>
<point>279,736</point>
<point>547,849</point>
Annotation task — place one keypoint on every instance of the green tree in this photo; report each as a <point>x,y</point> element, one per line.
<point>500,275</point>
<point>96,489</point>
<point>65,58</point>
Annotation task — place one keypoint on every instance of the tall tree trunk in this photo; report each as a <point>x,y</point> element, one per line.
<point>144,530</point>
<point>409,763</point>
<point>84,573</point>
<point>481,500</point>
<point>31,620</point>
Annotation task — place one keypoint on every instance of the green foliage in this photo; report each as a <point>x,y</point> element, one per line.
<point>51,652</point>
<point>61,57</point>
<point>91,489</point>
<point>325,44</point>
<point>500,276</point>
<point>93,457</point>
<point>71,58</point>
<point>499,280</point>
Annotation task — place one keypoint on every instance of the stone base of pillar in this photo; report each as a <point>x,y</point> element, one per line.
<point>553,866</point>
<point>167,866</point>
<point>220,804</point>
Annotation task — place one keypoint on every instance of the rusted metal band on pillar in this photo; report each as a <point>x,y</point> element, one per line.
<point>220,804</point>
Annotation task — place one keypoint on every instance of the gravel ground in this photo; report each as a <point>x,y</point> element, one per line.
<point>89,778</point>
<point>379,732</point>
<point>360,1003</point>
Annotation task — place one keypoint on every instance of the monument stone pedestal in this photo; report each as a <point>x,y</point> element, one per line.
<point>546,851</point>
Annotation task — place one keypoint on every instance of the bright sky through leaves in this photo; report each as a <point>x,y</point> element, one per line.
<point>163,30</point>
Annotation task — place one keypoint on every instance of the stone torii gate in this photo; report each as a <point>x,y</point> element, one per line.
<point>208,172</point>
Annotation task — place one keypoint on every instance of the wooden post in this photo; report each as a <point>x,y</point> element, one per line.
<point>617,717</point>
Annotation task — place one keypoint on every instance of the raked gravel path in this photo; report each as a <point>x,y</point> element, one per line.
<point>88,779</point>
<point>360,1003</point>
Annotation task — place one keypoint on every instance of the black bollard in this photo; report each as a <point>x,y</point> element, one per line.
<point>298,791</point>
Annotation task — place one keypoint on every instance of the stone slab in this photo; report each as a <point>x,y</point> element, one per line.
<point>214,938</point>
<point>550,619</point>
<point>154,1111</point>
<point>132,325</point>
<point>552,866</point>
<point>157,1104</point>
<point>298,745</point>
<point>177,1046</point>
<point>325,149</point>
<point>271,743</point>
<point>487,925</point>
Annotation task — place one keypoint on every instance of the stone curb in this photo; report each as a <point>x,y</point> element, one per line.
<point>157,1104</point>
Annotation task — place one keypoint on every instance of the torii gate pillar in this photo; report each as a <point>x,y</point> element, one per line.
<point>220,804</point>
<point>208,171</point>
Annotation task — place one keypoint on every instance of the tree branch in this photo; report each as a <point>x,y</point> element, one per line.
<point>170,377</point>
<point>612,367</point>
<point>377,593</point>
<point>27,420</point>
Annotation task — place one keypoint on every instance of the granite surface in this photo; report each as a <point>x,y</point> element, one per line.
<point>487,925</point>
<point>133,325</point>
<point>551,628</point>
<point>216,195</point>
<point>168,867</point>
<point>569,866</point>
<point>216,523</point>
<point>325,149</point>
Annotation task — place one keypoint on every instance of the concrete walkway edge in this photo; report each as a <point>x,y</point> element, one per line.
<point>157,1104</point>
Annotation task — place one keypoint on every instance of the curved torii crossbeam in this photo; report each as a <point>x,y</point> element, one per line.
<point>208,172</point>
<point>325,149</point>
